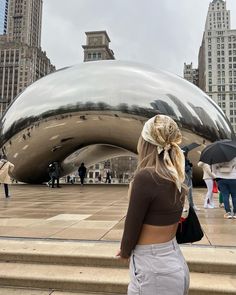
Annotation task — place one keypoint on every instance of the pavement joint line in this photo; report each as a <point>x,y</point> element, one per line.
<point>55,240</point>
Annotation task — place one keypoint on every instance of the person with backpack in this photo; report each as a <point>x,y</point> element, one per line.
<point>226,181</point>
<point>82,173</point>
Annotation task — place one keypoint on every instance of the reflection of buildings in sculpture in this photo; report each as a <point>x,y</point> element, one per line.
<point>186,116</point>
<point>21,57</point>
<point>217,59</point>
<point>3,16</point>
<point>97,46</point>
<point>206,120</point>
<point>163,107</point>
<point>121,170</point>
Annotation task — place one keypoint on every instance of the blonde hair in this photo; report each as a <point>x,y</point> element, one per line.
<point>158,148</point>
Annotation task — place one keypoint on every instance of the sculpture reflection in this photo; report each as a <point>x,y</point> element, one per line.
<point>96,110</point>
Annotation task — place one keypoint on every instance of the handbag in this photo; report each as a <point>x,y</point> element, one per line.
<point>215,188</point>
<point>189,229</point>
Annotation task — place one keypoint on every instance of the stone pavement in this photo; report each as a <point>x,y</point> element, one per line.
<point>91,212</point>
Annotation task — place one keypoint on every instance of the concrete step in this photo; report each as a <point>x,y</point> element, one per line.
<point>58,266</point>
<point>23,291</point>
<point>199,259</point>
<point>60,277</point>
<point>96,279</point>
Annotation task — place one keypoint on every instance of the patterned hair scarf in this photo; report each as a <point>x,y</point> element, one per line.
<point>164,133</point>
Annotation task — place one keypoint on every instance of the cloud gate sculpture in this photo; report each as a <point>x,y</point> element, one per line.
<point>95,111</point>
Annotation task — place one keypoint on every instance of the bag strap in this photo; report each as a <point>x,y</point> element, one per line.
<point>3,165</point>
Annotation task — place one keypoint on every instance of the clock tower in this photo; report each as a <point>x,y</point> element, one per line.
<point>97,46</point>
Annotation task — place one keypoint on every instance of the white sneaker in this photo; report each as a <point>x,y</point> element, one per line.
<point>234,216</point>
<point>211,206</point>
<point>228,215</point>
<point>196,208</point>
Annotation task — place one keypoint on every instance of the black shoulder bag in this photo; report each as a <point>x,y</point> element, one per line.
<point>189,229</point>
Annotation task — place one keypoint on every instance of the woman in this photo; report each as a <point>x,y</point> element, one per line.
<point>5,168</point>
<point>157,196</point>
<point>208,177</point>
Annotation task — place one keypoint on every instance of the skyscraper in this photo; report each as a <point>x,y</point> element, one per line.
<point>3,16</point>
<point>21,59</point>
<point>217,59</point>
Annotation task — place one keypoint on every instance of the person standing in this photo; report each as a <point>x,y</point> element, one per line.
<point>6,167</point>
<point>108,176</point>
<point>208,177</point>
<point>156,199</point>
<point>82,173</point>
<point>226,181</point>
<point>188,180</point>
<point>55,174</point>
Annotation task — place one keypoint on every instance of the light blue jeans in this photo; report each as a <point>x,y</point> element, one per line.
<point>158,269</point>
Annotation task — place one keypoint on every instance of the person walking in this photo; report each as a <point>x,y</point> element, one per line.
<point>156,198</point>
<point>208,177</point>
<point>226,181</point>
<point>82,173</point>
<point>188,180</point>
<point>6,167</point>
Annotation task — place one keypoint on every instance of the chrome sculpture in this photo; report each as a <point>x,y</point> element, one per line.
<point>96,110</point>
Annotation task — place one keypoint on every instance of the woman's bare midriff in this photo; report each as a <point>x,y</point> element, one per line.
<point>152,234</point>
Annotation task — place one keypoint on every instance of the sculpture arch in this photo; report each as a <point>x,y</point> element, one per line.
<point>96,110</point>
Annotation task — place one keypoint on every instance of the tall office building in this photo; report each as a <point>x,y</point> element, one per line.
<point>217,59</point>
<point>21,59</point>
<point>97,46</point>
<point>3,16</point>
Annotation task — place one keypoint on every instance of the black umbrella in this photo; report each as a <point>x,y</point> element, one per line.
<point>219,152</point>
<point>189,147</point>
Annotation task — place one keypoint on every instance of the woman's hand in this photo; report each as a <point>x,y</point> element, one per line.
<point>118,256</point>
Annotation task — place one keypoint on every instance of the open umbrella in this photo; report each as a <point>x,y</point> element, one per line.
<point>219,152</point>
<point>190,146</point>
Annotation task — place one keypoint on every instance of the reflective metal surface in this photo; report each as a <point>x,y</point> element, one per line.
<point>96,110</point>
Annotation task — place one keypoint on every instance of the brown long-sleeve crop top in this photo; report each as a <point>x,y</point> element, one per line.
<point>154,201</point>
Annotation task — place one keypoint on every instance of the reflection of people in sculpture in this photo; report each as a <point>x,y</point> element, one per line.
<point>6,167</point>
<point>157,196</point>
<point>82,173</point>
<point>108,177</point>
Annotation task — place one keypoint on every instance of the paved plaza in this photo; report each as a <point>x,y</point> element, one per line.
<point>90,212</point>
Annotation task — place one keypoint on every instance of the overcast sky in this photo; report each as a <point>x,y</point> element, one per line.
<point>161,33</point>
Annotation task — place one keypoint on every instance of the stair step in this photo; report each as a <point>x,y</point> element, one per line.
<point>97,279</point>
<point>200,259</point>
<point>23,291</point>
<point>74,278</point>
